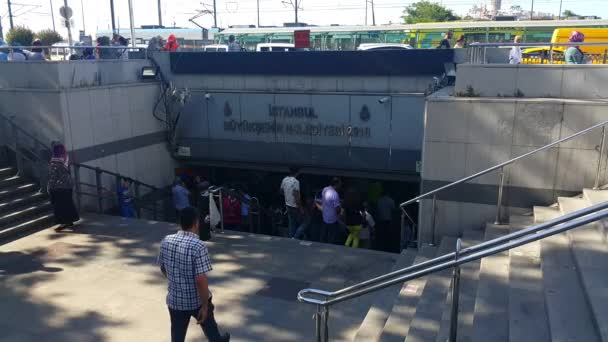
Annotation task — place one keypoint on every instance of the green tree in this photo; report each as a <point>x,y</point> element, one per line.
<point>49,37</point>
<point>425,11</point>
<point>568,14</point>
<point>20,35</point>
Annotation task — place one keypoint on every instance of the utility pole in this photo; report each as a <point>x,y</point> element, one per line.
<point>366,1</point>
<point>53,15</point>
<point>10,14</point>
<point>131,22</point>
<point>258,1</point>
<point>68,23</point>
<point>160,15</point>
<point>84,27</point>
<point>373,14</point>
<point>532,11</point>
<point>296,11</point>
<point>214,14</point>
<point>560,10</point>
<point>112,15</point>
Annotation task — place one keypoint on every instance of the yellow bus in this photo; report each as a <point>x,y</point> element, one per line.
<point>596,54</point>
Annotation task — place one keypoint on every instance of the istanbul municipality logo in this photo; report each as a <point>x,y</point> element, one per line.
<point>365,115</point>
<point>227,109</point>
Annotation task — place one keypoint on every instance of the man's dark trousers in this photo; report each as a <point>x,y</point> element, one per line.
<point>180,320</point>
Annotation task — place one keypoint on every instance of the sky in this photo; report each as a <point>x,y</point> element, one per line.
<point>36,13</point>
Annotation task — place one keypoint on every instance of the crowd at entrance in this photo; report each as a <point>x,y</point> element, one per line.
<point>352,212</point>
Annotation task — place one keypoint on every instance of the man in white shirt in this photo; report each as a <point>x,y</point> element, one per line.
<point>515,56</point>
<point>233,45</point>
<point>290,189</point>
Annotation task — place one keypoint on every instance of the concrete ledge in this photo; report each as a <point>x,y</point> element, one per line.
<point>526,80</point>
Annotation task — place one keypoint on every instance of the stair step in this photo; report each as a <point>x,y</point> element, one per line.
<point>429,311</point>
<point>570,318</point>
<point>491,319</point>
<point>10,181</point>
<point>17,190</point>
<point>6,172</point>
<point>469,278</point>
<point>398,323</point>
<point>544,214</point>
<point>591,258</point>
<point>594,197</point>
<point>25,213</point>
<point>15,203</point>
<point>528,319</point>
<point>45,220</point>
<point>371,327</point>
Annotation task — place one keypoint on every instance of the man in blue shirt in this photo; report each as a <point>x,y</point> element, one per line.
<point>125,199</point>
<point>184,260</point>
<point>181,196</point>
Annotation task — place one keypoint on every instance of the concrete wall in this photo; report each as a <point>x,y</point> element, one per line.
<point>100,109</point>
<point>532,81</point>
<point>295,83</point>
<point>464,136</point>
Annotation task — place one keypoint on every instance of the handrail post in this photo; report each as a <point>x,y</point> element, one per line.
<point>551,54</point>
<point>326,324</point>
<point>500,191</point>
<point>455,295</point>
<point>221,210</point>
<point>118,186</point>
<point>433,214</point>
<point>99,190</point>
<point>77,186</point>
<point>599,161</point>
<point>155,208</point>
<point>18,156</point>
<point>318,323</point>
<point>137,199</point>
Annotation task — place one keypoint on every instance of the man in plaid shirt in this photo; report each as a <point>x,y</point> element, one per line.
<point>185,261</point>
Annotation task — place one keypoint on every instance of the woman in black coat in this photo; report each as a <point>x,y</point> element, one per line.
<point>60,189</point>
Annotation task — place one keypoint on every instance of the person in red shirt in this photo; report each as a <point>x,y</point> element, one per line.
<point>232,212</point>
<point>172,43</point>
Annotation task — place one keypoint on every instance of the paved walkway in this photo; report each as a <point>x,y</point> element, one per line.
<point>101,283</point>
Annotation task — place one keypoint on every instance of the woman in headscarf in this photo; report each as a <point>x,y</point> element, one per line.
<point>60,188</point>
<point>573,54</point>
<point>172,44</point>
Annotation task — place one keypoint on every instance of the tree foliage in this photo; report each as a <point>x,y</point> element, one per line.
<point>425,11</point>
<point>49,37</point>
<point>20,35</point>
<point>568,14</point>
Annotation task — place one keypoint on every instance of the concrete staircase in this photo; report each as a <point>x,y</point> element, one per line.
<point>551,290</point>
<point>23,208</point>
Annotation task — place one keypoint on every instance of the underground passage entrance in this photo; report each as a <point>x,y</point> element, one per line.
<point>263,209</point>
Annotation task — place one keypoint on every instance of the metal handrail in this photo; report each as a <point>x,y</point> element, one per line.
<point>36,158</point>
<point>477,51</point>
<point>501,166</point>
<point>451,260</point>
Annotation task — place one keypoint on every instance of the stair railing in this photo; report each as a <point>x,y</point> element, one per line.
<point>32,158</point>
<point>323,299</point>
<point>501,182</point>
<point>102,193</point>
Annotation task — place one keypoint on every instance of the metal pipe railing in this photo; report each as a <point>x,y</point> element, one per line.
<point>477,52</point>
<point>453,260</point>
<point>465,251</point>
<point>19,147</point>
<point>501,167</point>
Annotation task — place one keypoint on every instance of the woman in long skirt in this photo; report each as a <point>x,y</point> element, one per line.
<point>60,189</point>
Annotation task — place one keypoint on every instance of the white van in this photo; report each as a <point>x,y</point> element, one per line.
<point>216,48</point>
<point>271,47</point>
